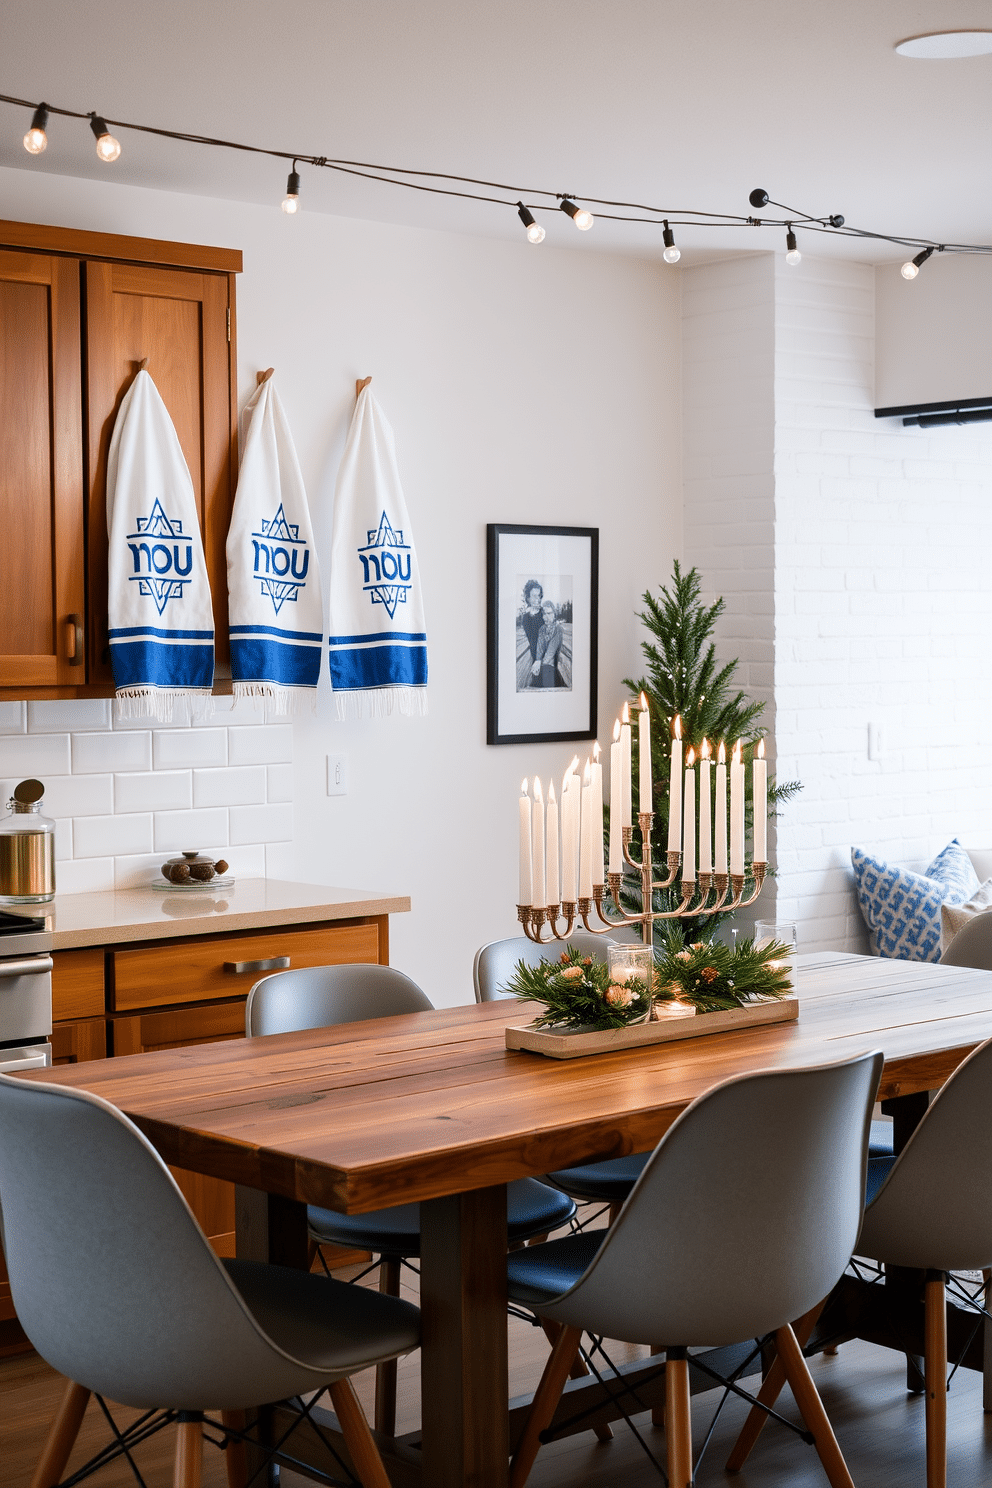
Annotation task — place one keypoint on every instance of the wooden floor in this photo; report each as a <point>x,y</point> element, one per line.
<point>879,1426</point>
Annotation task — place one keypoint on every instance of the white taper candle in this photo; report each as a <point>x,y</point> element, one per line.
<point>720,854</point>
<point>689,819</point>
<point>760,786</point>
<point>737,811</point>
<point>537,846</point>
<point>585,839</point>
<point>675,788</point>
<point>598,864</point>
<point>526,881</point>
<point>616,802</point>
<point>645,796</point>
<point>705,809</point>
<point>551,860</point>
<point>626,767</point>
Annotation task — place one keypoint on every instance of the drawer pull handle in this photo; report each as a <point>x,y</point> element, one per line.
<point>272,963</point>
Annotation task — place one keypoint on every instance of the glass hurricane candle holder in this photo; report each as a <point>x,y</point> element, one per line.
<point>633,963</point>
<point>784,932</point>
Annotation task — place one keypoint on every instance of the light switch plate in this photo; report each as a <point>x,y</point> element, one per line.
<point>337,774</point>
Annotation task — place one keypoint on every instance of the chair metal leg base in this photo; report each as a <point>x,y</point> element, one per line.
<point>61,1436</point>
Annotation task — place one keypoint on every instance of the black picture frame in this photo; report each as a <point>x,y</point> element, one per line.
<point>541,686</point>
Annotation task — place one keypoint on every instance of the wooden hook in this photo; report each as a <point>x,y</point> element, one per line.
<point>143,365</point>
<point>361,384</point>
<point>261,377</point>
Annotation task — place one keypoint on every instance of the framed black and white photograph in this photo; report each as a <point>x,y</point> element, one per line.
<point>543,626</point>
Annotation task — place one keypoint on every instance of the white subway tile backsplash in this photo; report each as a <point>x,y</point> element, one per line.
<point>268,744</point>
<point>12,718</point>
<point>279,782</point>
<point>181,831</point>
<point>79,795</point>
<point>38,755</point>
<point>96,753</point>
<point>154,790</point>
<point>230,787</point>
<point>71,714</point>
<point>261,824</point>
<point>84,876</point>
<point>175,748</point>
<point>110,836</point>
<point>139,870</point>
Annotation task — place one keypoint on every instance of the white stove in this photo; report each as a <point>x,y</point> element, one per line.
<point>25,992</point>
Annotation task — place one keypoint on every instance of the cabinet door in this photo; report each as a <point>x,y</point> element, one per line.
<point>178,319</point>
<point>41,472</point>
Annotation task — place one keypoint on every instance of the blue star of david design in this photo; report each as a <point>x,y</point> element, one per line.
<point>387,564</point>
<point>157,558</point>
<point>157,524</point>
<point>161,590</point>
<point>271,558</point>
<point>278,527</point>
<point>280,592</point>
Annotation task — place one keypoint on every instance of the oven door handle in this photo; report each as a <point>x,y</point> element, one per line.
<point>27,966</point>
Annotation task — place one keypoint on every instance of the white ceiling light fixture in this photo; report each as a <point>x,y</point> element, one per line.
<point>941,46</point>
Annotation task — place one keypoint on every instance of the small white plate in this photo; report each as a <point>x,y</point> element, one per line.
<point>184,888</point>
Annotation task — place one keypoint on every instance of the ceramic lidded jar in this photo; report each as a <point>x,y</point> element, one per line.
<point>27,848</point>
<point>193,867</point>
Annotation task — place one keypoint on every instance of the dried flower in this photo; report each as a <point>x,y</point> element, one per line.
<point>683,955</point>
<point>587,961</point>
<point>563,959</point>
<point>698,945</point>
<point>618,996</point>
<point>709,973</point>
<point>572,973</point>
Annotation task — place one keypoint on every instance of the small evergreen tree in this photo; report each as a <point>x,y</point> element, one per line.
<point>683,679</point>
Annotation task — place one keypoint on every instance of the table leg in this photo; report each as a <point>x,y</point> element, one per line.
<point>463,1354</point>
<point>907,1111</point>
<point>270,1228</point>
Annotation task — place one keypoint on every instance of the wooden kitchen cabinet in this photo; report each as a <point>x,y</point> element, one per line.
<point>78,313</point>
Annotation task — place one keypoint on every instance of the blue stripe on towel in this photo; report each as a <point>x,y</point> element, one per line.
<point>280,635</point>
<point>378,666</point>
<point>258,660</point>
<point>381,635</point>
<point>152,664</point>
<point>165,635</point>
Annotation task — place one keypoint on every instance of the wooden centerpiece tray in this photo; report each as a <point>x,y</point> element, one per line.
<point>562,1044</point>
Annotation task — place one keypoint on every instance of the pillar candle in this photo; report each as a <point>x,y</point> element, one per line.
<point>569,836</point>
<point>689,818</point>
<point>616,802</point>
<point>551,857</point>
<point>644,792</point>
<point>585,839</point>
<point>737,811</point>
<point>539,900</point>
<point>675,789</point>
<point>626,767</point>
<point>720,855</point>
<point>598,865</point>
<point>705,810</point>
<point>524,896</point>
<point>760,784</point>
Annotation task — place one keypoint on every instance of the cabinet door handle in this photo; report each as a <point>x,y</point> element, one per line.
<point>272,963</point>
<point>74,640</point>
<point>28,966</point>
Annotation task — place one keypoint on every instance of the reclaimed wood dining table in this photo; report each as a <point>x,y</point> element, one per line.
<point>432,1107</point>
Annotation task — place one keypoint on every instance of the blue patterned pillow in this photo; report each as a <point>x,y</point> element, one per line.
<point>902,908</point>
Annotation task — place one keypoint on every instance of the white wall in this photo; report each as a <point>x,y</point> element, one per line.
<point>524,384</point>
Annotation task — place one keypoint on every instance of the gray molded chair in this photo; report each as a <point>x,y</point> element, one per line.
<point>771,1163</point>
<point>607,1182</point>
<point>934,1213</point>
<point>118,1289</point>
<point>318,997</point>
<point>972,946</point>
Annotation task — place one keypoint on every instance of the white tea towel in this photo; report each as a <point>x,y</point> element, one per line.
<point>276,614</point>
<point>378,635</point>
<point>161,617</point>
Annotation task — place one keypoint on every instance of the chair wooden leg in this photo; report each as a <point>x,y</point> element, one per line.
<point>935,1366</point>
<point>358,1438</point>
<point>61,1436</point>
<point>811,1408</point>
<point>235,1457</point>
<point>678,1421</point>
<point>579,1370</point>
<point>189,1455</point>
<point>546,1398</point>
<point>385,1374</point>
<point>771,1388</point>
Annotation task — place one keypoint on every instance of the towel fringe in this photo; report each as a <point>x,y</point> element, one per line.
<point>166,704</point>
<point>380,702</point>
<point>293,702</point>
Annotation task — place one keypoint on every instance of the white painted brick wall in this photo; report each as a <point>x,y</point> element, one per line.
<point>126,795</point>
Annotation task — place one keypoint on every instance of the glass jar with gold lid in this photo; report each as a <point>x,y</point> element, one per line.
<point>27,848</point>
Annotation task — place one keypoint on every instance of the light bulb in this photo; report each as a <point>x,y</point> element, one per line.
<point>793,256</point>
<point>107,148</point>
<point>583,220</point>
<point>672,254</point>
<point>291,201</point>
<point>36,140</point>
<point>909,271</point>
<point>535,232</point>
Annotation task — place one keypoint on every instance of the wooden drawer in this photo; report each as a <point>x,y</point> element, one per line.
<point>77,985</point>
<point>194,971</point>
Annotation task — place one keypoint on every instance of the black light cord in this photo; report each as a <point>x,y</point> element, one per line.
<point>833,225</point>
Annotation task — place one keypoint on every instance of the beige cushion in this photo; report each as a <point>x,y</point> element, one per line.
<point>954,917</point>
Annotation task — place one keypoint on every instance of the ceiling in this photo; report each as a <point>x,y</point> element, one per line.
<point>676,103</point>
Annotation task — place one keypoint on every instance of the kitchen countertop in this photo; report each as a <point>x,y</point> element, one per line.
<point>115,916</point>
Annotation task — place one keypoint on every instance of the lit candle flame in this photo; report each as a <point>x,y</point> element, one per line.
<point>690,758</point>
<point>737,752</point>
<point>523,787</point>
<point>596,751</point>
<point>644,703</point>
<point>551,794</point>
<point>677,726</point>
<point>616,731</point>
<point>626,713</point>
<point>587,774</point>
<point>705,751</point>
<point>574,765</point>
<point>721,754</point>
<point>538,793</point>
<point>761,748</point>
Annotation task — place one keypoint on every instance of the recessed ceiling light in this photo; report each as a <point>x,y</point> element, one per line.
<point>941,45</point>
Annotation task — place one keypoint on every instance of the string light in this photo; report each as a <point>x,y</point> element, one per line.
<point>671,253</point>
<point>912,268</point>
<point>535,232</point>
<point>582,219</point>
<point>792,254</point>
<point>36,140</point>
<point>444,183</point>
<point>291,201</point>
<point>107,147</point>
